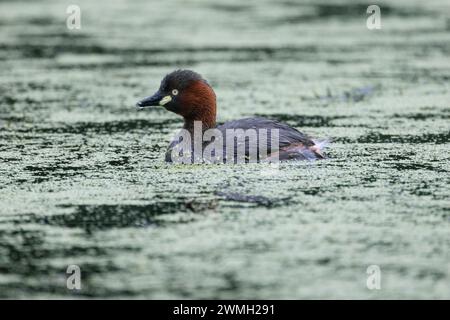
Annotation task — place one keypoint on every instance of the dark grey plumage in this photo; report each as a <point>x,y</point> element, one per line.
<point>293,144</point>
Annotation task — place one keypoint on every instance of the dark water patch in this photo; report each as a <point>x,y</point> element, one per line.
<point>26,252</point>
<point>405,166</point>
<point>231,282</point>
<point>56,170</point>
<point>337,61</point>
<point>15,92</point>
<point>375,137</point>
<point>42,50</point>
<point>312,191</point>
<point>8,99</point>
<point>422,116</point>
<point>158,56</point>
<point>186,59</point>
<point>257,50</point>
<point>104,217</point>
<point>427,48</point>
<point>10,118</point>
<point>132,64</point>
<point>124,160</point>
<point>253,199</point>
<point>28,104</point>
<point>200,206</point>
<point>421,52</point>
<point>446,214</point>
<point>353,10</point>
<point>369,178</point>
<point>101,127</point>
<point>356,10</point>
<point>42,21</point>
<point>305,121</point>
<point>52,168</point>
<point>399,157</point>
<point>432,275</point>
<point>7,159</point>
<point>434,108</point>
<point>320,11</point>
<point>15,289</point>
<point>230,8</point>
<point>423,191</point>
<point>53,35</point>
<point>134,57</point>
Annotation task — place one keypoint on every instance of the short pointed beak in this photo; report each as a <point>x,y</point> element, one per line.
<point>150,101</point>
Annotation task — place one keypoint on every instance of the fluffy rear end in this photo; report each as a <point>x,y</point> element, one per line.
<point>301,152</point>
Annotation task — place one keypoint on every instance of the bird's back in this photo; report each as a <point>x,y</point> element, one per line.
<point>288,144</point>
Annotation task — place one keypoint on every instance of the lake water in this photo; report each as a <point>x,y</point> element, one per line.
<point>82,173</point>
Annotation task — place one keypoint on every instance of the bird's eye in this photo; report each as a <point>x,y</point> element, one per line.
<point>174,92</point>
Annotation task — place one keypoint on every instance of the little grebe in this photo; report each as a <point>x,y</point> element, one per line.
<point>187,94</point>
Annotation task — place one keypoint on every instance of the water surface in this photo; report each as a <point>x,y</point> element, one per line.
<point>83,181</point>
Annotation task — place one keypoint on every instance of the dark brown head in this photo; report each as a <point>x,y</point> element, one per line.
<point>186,93</point>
